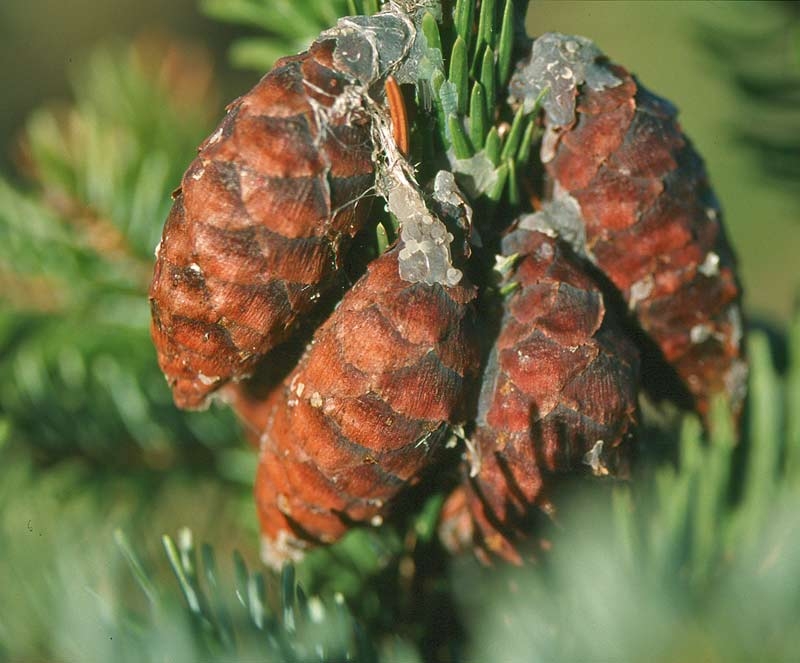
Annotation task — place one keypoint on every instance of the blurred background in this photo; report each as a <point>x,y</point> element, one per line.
<point>102,108</point>
<point>44,41</point>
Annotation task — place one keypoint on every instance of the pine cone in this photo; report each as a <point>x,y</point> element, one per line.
<point>259,225</point>
<point>264,217</point>
<point>652,223</point>
<point>559,394</point>
<point>366,409</point>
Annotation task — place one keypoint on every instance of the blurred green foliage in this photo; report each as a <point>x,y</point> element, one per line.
<point>75,261</point>
<point>42,42</point>
<point>693,559</point>
<point>764,64</point>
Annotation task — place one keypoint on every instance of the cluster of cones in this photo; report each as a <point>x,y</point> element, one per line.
<point>260,230</point>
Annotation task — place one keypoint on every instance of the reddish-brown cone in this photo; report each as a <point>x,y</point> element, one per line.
<point>259,225</point>
<point>654,227</point>
<point>559,395</point>
<point>365,410</point>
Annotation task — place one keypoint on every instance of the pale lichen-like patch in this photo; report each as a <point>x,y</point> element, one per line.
<point>425,253</point>
<point>594,459</point>
<point>700,333</point>
<point>710,266</point>
<point>447,194</point>
<point>285,548</point>
<point>478,173</point>
<point>640,291</point>
<point>368,49</point>
<point>558,64</point>
<point>450,205</point>
<point>207,379</point>
<point>734,315</point>
<point>560,218</point>
<point>736,381</point>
